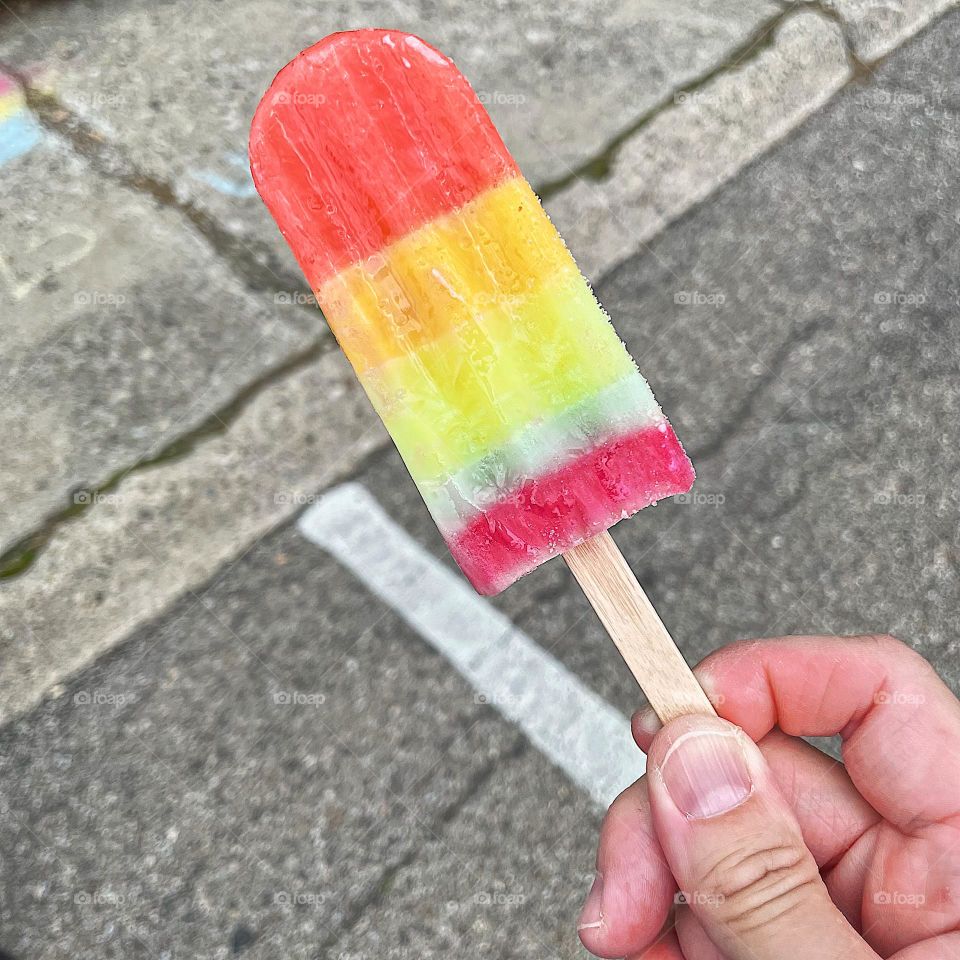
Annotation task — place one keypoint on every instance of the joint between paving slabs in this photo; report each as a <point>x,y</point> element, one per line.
<point>600,166</point>
<point>253,262</point>
<point>18,558</point>
<point>860,69</point>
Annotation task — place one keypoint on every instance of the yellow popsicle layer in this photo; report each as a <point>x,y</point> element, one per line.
<point>472,329</point>
<point>436,279</point>
<point>461,396</point>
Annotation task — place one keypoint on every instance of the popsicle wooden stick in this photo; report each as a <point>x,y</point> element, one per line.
<point>636,629</point>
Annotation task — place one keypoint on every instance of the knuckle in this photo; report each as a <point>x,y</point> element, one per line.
<point>883,643</point>
<point>898,654</point>
<point>753,888</point>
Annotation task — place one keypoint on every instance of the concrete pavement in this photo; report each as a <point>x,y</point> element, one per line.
<point>123,334</point>
<point>147,121</point>
<point>280,766</point>
<point>707,93</point>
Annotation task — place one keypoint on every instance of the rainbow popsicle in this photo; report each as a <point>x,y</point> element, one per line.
<point>518,411</point>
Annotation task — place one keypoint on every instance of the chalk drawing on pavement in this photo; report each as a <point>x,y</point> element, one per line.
<point>237,183</point>
<point>19,130</point>
<point>45,256</point>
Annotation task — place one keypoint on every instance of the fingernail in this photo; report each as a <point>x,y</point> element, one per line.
<point>591,916</point>
<point>705,773</point>
<point>716,698</point>
<point>648,721</point>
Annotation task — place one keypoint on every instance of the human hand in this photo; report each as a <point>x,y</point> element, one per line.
<point>780,850</point>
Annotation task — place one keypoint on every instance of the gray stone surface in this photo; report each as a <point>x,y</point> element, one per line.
<point>518,897</point>
<point>801,330</point>
<point>166,529</point>
<point>262,768</point>
<point>177,82</point>
<point>104,573</point>
<point>702,139</point>
<point>876,27</point>
<point>122,331</point>
<point>799,327</point>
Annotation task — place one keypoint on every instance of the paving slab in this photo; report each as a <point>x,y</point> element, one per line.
<point>122,331</point>
<point>875,27</point>
<point>167,528</point>
<point>518,897</point>
<point>701,139</point>
<point>177,83</point>
<point>250,771</point>
<point>279,767</point>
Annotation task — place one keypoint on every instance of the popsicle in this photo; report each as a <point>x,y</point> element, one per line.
<point>521,417</point>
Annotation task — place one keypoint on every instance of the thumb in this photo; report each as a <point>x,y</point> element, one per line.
<point>735,848</point>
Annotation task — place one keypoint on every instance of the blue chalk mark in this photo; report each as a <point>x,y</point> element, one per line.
<point>232,188</point>
<point>19,134</point>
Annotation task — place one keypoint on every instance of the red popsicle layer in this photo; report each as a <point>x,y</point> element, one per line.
<point>550,514</point>
<point>341,181</point>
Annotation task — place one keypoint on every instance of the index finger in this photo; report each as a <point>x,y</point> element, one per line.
<point>899,722</point>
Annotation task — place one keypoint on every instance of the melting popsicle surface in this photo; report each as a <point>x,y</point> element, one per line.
<point>519,413</point>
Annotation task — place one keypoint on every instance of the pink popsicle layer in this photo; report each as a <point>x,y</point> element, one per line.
<point>550,514</point>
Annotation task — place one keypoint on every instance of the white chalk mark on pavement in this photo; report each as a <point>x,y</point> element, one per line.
<point>577,730</point>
